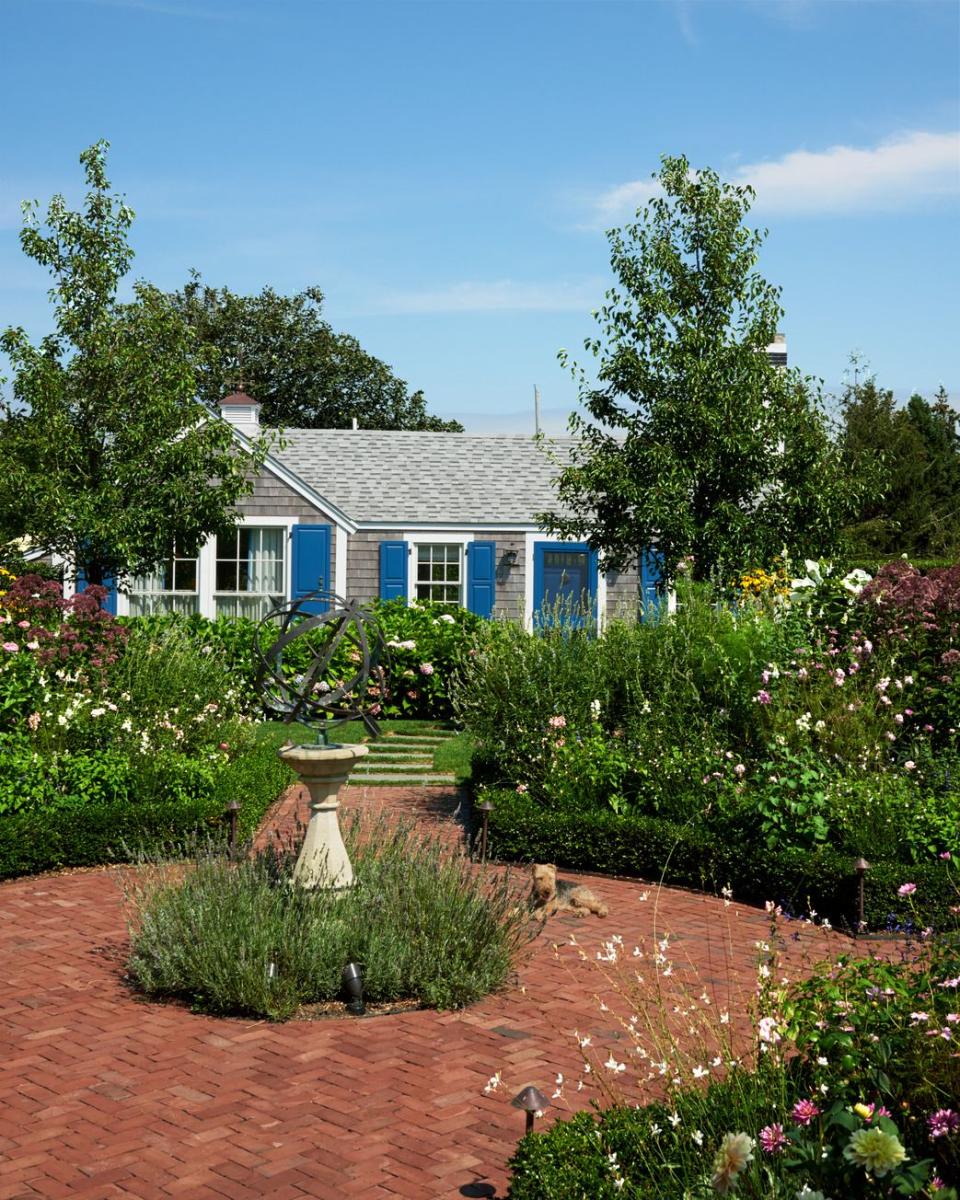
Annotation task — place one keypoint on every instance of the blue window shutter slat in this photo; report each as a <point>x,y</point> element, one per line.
<point>393,570</point>
<point>110,603</point>
<point>481,577</point>
<point>310,560</point>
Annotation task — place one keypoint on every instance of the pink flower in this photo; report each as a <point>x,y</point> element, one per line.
<point>943,1123</point>
<point>804,1111</point>
<point>909,765</point>
<point>11,647</point>
<point>839,677</point>
<point>906,889</point>
<point>898,717</point>
<point>739,770</point>
<point>33,720</point>
<point>946,854</point>
<point>23,624</point>
<point>773,1139</point>
<point>762,697</point>
<point>426,668</point>
<point>557,722</point>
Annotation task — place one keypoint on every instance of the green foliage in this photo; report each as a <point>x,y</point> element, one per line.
<point>109,458</point>
<point>694,440</point>
<point>425,642</point>
<point>912,458</point>
<point>696,855</point>
<point>422,921</point>
<point>98,828</point>
<point>303,373</point>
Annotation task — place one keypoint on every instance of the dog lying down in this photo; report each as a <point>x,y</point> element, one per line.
<point>551,894</point>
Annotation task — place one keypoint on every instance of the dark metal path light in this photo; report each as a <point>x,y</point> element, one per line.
<point>485,809</point>
<point>232,813</point>
<point>532,1101</point>
<point>861,866</point>
<point>353,986</point>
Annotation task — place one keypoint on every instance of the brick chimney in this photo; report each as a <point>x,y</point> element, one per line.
<point>242,412</point>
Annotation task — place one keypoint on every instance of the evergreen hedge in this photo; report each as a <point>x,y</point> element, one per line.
<point>96,833</point>
<point>654,849</point>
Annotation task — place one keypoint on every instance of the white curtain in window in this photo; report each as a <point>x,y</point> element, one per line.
<point>265,562</point>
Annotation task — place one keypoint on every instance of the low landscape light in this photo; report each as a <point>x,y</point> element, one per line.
<point>353,986</point>
<point>532,1101</point>
<point>232,814</point>
<point>485,809</point>
<point>861,866</point>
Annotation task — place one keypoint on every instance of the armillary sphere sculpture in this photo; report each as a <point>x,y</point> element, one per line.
<point>331,630</point>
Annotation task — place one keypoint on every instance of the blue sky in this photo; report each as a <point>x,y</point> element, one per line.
<point>445,170</point>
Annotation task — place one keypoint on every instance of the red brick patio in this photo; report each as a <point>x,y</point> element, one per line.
<point>103,1095</point>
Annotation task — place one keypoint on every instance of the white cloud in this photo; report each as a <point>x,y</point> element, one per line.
<point>501,295</point>
<point>897,173</point>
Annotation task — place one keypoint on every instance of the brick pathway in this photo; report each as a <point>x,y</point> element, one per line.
<point>103,1095</point>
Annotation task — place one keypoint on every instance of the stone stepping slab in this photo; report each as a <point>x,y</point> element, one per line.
<point>365,769</point>
<point>405,780</point>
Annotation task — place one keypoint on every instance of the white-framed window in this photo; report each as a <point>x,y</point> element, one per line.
<point>173,587</point>
<point>439,572</point>
<point>249,570</point>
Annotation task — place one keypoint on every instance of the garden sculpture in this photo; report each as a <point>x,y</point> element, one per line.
<point>299,647</point>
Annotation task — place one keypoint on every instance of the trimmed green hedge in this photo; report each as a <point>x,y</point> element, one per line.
<point>116,831</point>
<point>655,849</point>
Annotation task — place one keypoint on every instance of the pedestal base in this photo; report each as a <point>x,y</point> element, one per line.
<point>323,860</point>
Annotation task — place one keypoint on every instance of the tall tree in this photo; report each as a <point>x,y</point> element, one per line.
<point>304,374</point>
<point>912,457</point>
<point>108,457</point>
<point>693,440</point>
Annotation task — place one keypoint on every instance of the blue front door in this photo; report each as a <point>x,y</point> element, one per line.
<point>564,581</point>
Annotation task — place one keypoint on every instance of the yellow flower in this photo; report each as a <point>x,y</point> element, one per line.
<point>863,1110</point>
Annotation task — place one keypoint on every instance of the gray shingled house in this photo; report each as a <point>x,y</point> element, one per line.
<point>427,516</point>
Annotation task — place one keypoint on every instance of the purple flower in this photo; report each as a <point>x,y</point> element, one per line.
<point>943,1123</point>
<point>762,697</point>
<point>426,668</point>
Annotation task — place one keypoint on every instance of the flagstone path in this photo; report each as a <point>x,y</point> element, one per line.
<point>104,1095</point>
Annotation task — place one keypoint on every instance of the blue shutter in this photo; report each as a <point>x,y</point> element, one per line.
<point>651,572</point>
<point>110,603</point>
<point>393,570</point>
<point>481,577</point>
<point>310,560</point>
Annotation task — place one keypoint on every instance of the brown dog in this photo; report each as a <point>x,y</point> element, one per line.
<point>551,894</point>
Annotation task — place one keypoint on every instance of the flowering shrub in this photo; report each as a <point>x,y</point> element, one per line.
<point>918,616</point>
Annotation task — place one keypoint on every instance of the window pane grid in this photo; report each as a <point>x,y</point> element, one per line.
<point>440,573</point>
<point>170,588</point>
<point>249,571</point>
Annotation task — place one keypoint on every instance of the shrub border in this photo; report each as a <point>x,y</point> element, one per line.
<point>651,848</point>
<point>98,834</point>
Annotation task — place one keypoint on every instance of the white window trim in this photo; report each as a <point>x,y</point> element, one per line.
<point>434,537</point>
<point>207,565</point>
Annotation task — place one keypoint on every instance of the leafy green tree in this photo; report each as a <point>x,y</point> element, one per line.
<point>289,358</point>
<point>911,457</point>
<point>108,456</point>
<point>692,439</point>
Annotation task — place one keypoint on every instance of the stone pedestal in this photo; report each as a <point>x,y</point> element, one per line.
<point>323,770</point>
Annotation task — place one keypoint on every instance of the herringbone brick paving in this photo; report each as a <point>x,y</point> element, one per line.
<point>103,1095</point>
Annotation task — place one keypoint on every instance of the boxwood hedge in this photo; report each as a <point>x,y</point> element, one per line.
<point>654,849</point>
<point>116,830</point>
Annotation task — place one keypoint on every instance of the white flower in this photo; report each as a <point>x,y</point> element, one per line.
<point>595,710</point>
<point>97,712</point>
<point>493,1083</point>
<point>855,581</point>
<point>699,1072</point>
<point>612,1065</point>
<point>674,1119</point>
<point>697,1137</point>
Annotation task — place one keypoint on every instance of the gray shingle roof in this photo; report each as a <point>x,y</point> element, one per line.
<point>390,478</point>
